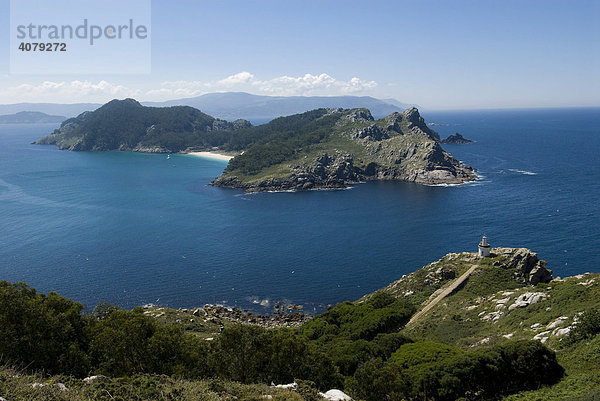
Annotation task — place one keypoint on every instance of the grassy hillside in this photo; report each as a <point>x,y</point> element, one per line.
<point>494,336</point>
<point>493,307</point>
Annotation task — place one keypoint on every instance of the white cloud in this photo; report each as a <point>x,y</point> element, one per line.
<point>236,79</point>
<point>177,89</point>
<point>305,85</point>
<point>308,84</point>
<point>66,91</point>
<point>102,91</point>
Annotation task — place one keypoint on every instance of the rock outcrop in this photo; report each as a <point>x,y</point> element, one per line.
<point>456,139</point>
<point>529,269</point>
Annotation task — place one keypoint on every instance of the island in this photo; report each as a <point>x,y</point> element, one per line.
<point>30,117</point>
<point>456,139</point>
<point>322,148</point>
<point>128,126</point>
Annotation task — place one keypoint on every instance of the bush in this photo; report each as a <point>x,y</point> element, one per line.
<point>439,372</point>
<point>375,381</point>
<point>587,327</point>
<point>252,354</point>
<point>128,342</point>
<point>39,331</point>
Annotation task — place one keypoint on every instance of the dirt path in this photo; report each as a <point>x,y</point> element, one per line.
<point>440,294</point>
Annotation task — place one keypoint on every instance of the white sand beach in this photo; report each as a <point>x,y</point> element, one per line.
<point>211,155</point>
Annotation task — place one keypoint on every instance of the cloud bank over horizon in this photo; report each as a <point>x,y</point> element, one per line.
<point>102,91</point>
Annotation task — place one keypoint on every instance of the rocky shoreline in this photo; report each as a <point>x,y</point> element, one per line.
<point>338,172</point>
<point>281,317</point>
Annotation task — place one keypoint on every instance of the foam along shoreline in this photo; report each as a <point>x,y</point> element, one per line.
<point>211,155</point>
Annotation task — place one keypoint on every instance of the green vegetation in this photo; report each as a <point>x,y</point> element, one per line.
<point>279,140</point>
<point>439,372</point>
<point>127,125</point>
<point>15,385</point>
<point>351,333</point>
<point>587,327</point>
<point>457,350</point>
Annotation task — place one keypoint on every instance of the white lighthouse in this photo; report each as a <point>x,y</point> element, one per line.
<point>484,247</point>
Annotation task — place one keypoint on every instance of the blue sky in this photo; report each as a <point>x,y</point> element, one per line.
<point>438,54</point>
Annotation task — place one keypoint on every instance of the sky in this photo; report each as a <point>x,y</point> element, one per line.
<point>460,54</point>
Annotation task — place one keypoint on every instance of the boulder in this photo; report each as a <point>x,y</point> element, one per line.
<point>539,274</point>
<point>336,395</point>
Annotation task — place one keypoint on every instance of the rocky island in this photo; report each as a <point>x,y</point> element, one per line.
<point>322,148</point>
<point>456,139</point>
<point>338,147</point>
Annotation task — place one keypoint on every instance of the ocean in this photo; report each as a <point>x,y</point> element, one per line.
<point>131,229</point>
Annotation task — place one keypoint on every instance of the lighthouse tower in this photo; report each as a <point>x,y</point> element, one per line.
<point>484,247</point>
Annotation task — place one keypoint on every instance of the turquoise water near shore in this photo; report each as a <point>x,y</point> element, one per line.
<point>131,228</point>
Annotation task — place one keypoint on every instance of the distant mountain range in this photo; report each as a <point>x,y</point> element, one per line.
<point>235,105</point>
<point>30,117</point>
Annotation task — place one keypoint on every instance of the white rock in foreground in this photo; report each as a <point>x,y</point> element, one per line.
<point>291,386</point>
<point>336,395</point>
<point>95,379</point>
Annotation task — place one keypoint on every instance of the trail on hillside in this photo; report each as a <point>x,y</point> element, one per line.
<point>440,294</point>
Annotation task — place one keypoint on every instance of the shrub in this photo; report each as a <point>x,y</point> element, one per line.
<point>42,331</point>
<point>251,354</point>
<point>587,327</point>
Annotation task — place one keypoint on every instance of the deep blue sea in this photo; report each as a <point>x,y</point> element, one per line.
<point>130,228</point>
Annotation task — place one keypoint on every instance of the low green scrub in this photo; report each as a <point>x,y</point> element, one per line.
<point>16,386</point>
<point>50,333</point>
<point>438,372</point>
<point>355,346</point>
<point>352,333</point>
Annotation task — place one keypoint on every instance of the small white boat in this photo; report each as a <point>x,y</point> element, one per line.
<point>168,156</point>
